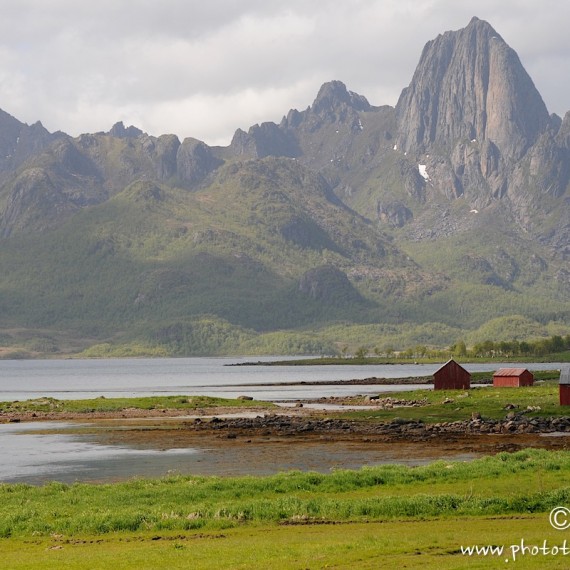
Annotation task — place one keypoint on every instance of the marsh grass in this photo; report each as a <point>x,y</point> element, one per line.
<point>441,489</point>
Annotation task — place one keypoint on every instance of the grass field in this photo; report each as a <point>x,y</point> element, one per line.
<point>381,517</point>
<point>457,405</point>
<point>427,544</point>
<point>388,516</point>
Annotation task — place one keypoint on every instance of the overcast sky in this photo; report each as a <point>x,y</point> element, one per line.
<point>203,69</point>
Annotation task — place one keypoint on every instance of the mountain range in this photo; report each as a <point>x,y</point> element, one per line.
<point>445,217</point>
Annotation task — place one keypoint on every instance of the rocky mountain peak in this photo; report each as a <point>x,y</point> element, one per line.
<point>119,130</point>
<point>10,129</point>
<point>334,94</point>
<point>19,141</point>
<point>470,85</point>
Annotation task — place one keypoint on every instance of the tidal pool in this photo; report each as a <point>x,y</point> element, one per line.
<point>109,451</point>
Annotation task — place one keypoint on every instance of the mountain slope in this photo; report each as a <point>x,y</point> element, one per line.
<point>265,246</point>
<point>439,215</point>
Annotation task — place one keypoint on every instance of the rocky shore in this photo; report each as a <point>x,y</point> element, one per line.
<point>274,424</point>
<point>301,421</point>
<point>297,420</point>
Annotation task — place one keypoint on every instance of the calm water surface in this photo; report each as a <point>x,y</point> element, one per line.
<point>45,451</point>
<point>77,379</point>
<point>39,452</point>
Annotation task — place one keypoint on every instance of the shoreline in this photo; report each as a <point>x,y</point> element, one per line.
<point>298,418</point>
<point>371,381</point>
<point>487,420</point>
<point>255,440</point>
<point>261,436</point>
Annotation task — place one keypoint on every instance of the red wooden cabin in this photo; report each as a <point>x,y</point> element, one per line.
<point>513,377</point>
<point>451,376</point>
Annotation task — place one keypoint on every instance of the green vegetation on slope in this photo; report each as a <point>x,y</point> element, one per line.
<point>238,266</point>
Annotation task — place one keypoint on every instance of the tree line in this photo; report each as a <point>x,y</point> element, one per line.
<point>486,349</point>
<point>511,348</point>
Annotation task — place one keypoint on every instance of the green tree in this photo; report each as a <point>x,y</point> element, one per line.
<point>505,348</point>
<point>557,344</point>
<point>459,348</point>
<point>420,351</point>
<point>361,352</point>
<point>524,347</point>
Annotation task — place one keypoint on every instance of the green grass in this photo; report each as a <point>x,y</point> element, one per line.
<point>103,404</point>
<point>181,503</point>
<point>380,517</point>
<point>427,544</point>
<point>457,405</point>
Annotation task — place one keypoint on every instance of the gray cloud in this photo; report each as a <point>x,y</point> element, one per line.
<point>204,69</point>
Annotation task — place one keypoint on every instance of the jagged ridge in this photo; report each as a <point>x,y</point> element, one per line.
<point>469,174</point>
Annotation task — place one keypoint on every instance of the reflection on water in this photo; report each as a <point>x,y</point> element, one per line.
<point>45,451</point>
<point>70,452</point>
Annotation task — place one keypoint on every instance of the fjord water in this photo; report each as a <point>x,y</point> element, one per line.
<point>74,451</point>
<point>130,377</point>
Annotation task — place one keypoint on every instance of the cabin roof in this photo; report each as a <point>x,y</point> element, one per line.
<point>451,362</point>
<point>510,372</point>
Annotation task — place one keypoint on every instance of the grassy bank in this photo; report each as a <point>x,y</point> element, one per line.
<point>540,400</point>
<point>181,503</point>
<point>388,516</point>
<point>103,404</point>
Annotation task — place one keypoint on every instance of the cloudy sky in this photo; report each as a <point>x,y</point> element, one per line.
<point>203,69</point>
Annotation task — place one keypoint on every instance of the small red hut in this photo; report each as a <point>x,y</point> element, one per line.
<point>451,376</point>
<point>512,378</point>
<point>564,386</point>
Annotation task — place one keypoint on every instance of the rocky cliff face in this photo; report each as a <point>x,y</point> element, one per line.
<point>470,125</point>
<point>470,112</point>
<point>19,142</point>
<point>470,85</point>
<point>307,134</point>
